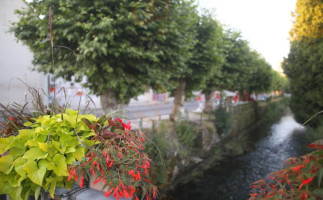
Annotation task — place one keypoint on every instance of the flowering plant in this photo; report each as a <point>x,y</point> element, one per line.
<point>300,179</point>
<point>117,159</point>
<point>53,148</point>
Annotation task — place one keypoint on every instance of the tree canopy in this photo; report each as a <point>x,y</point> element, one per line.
<point>242,68</point>
<point>304,64</point>
<point>119,46</point>
<point>308,20</point>
<point>304,68</point>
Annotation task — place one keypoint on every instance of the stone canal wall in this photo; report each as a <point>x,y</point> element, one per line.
<point>189,148</point>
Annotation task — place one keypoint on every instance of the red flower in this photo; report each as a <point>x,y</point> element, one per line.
<point>148,181</point>
<point>82,181</point>
<point>304,182</point>
<point>107,194</point>
<point>155,191</point>
<point>124,126</point>
<point>298,168</point>
<point>303,196</point>
<point>96,181</point>
<point>315,146</point>
<point>127,126</point>
<point>79,93</point>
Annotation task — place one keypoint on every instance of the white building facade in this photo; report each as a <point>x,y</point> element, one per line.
<point>15,60</point>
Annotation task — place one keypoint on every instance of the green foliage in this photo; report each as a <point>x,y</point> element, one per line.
<point>279,82</point>
<point>304,70</point>
<point>158,151</point>
<point>314,134</point>
<point>117,45</point>
<point>259,78</point>
<point>304,63</point>
<point>274,109</point>
<point>242,68</point>
<point>186,132</point>
<point>39,155</point>
<point>206,55</point>
<point>223,120</point>
<point>53,150</point>
<point>308,20</point>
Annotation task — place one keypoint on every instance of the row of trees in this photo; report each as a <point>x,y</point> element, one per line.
<point>121,46</point>
<point>304,64</point>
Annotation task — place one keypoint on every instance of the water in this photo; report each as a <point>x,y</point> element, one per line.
<point>235,175</point>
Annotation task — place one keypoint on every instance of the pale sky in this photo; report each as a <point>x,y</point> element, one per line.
<point>264,23</point>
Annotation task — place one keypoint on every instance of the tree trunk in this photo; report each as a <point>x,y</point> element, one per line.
<point>178,100</point>
<point>110,102</point>
<point>208,100</point>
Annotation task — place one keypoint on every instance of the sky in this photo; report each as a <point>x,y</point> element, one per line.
<point>264,23</point>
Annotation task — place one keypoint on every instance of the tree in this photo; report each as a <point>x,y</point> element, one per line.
<point>304,68</point>
<point>234,70</point>
<point>279,82</point>
<point>186,17</point>
<point>242,69</point>
<point>207,57</point>
<point>118,45</point>
<point>304,63</point>
<point>204,60</point>
<point>259,74</point>
<point>308,20</point>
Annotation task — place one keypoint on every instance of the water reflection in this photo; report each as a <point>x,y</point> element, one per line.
<point>232,180</point>
<point>283,130</point>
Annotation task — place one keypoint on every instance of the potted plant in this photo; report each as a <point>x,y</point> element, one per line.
<point>56,147</point>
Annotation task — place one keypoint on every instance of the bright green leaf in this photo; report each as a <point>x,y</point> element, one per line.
<point>37,192</point>
<point>58,165</point>
<point>19,164</point>
<point>35,174</point>
<point>35,154</point>
<point>26,134</point>
<point>43,146</point>
<point>5,144</point>
<point>6,164</point>
<point>79,153</point>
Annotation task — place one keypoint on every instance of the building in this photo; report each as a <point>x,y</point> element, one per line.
<point>15,60</point>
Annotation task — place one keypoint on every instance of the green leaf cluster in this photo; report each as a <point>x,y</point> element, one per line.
<point>308,20</point>
<point>118,46</point>
<point>38,157</point>
<point>304,63</point>
<point>242,69</point>
<point>304,69</point>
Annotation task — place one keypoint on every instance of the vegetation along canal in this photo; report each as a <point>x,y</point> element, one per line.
<point>232,178</point>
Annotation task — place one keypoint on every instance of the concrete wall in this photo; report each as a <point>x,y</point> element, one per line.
<point>15,59</point>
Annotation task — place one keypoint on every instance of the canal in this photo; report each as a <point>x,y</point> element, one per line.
<point>232,177</point>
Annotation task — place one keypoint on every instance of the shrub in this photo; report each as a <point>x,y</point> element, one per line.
<point>223,120</point>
